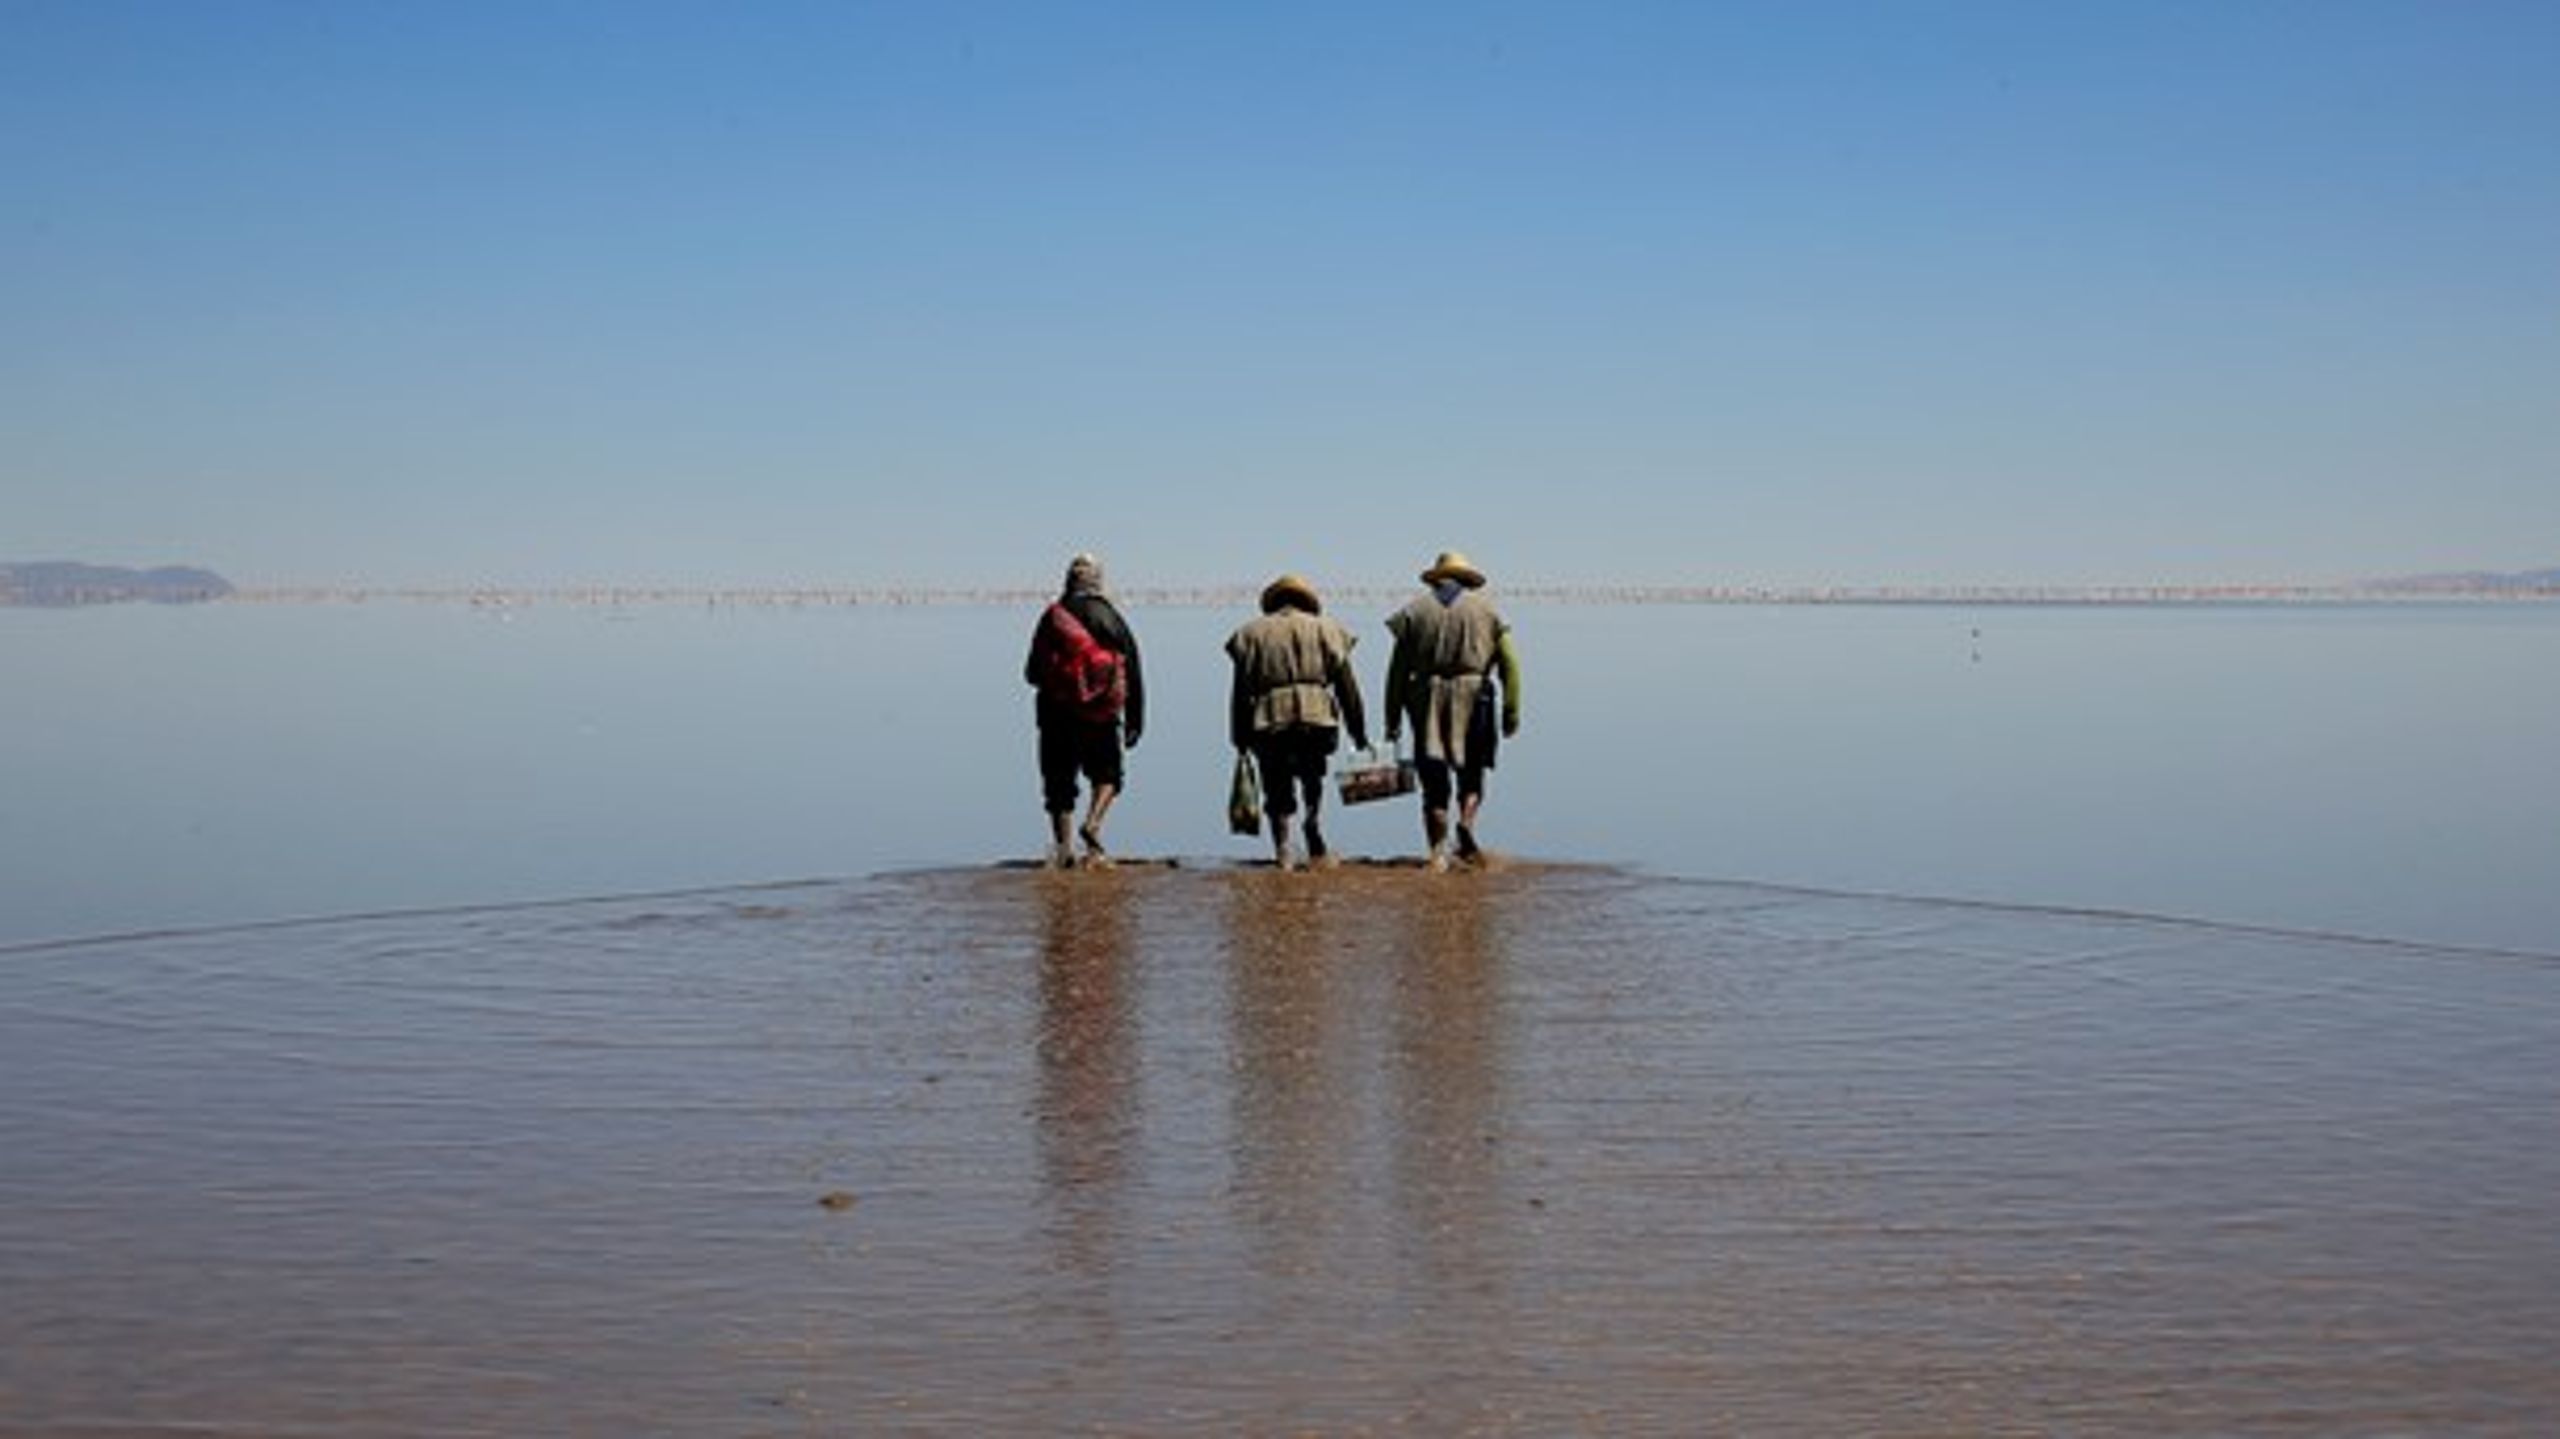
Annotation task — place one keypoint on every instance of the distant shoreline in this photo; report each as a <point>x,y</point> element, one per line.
<point>617,597</point>
<point>70,584</point>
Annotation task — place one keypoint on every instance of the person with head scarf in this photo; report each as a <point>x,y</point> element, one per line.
<point>1451,646</point>
<point>1092,704</point>
<point>1293,694</point>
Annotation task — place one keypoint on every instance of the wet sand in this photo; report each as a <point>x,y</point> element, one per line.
<point>1170,1150</point>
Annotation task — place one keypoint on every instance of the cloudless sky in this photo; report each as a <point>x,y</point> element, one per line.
<point>913,292</point>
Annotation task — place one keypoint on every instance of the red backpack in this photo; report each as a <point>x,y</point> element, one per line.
<point>1081,674</point>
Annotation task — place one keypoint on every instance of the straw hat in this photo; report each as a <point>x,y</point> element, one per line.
<point>1454,566</point>
<point>1288,589</point>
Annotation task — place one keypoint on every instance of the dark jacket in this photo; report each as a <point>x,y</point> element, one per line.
<point>1103,622</point>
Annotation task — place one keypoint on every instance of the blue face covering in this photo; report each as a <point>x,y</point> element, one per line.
<point>1448,591</point>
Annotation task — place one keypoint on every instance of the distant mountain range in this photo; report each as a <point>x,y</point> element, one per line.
<point>2466,582</point>
<point>64,583</point>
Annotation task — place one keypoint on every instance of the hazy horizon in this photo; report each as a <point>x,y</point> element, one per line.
<point>265,586</point>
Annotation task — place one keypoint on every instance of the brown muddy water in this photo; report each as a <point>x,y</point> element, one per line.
<point>1541,1150</point>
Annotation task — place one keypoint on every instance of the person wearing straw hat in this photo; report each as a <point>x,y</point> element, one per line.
<point>1294,693</point>
<point>1092,701</point>
<point>1451,644</point>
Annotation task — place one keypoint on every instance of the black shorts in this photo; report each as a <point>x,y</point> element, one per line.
<point>1292,760</point>
<point>1484,741</point>
<point>1069,747</point>
<point>1435,775</point>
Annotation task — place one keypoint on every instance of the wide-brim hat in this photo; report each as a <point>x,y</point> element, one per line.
<point>1288,588</point>
<point>1453,566</point>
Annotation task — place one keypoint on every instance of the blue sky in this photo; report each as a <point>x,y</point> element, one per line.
<point>1783,293</point>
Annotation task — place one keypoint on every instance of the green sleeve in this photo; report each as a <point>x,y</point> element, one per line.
<point>1507,659</point>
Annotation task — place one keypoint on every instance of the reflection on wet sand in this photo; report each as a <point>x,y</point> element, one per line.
<point>1366,1021</point>
<point>1538,1150</point>
<point>1087,1109</point>
<point>1294,1041</point>
<point>1449,1086</point>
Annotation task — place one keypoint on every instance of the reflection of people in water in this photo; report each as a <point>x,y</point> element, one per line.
<point>1088,1059</point>
<point>1294,1124</point>
<point>1369,1068</point>
<point>1448,1075</point>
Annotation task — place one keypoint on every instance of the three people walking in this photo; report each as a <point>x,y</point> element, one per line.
<point>1454,676</point>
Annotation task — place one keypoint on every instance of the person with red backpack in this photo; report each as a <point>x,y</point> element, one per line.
<point>1092,701</point>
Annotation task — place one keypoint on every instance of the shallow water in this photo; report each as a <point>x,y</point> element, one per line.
<point>1547,1149</point>
<point>2371,770</point>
